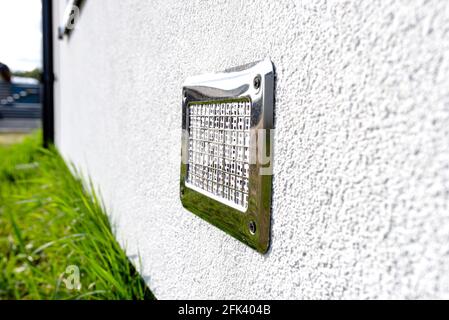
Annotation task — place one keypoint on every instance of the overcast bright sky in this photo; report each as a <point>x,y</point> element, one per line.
<point>20,34</point>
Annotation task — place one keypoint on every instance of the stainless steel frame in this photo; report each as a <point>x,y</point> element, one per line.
<point>66,21</point>
<point>256,83</point>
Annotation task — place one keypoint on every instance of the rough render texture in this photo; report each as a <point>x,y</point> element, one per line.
<point>361,175</point>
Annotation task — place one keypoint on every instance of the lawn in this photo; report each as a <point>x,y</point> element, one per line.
<point>56,241</point>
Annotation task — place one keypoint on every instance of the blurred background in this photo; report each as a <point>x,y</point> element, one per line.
<point>20,67</point>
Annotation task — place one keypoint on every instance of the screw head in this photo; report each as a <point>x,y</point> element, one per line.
<point>257,81</point>
<point>252,227</point>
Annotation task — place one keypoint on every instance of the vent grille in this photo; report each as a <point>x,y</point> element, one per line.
<point>219,142</point>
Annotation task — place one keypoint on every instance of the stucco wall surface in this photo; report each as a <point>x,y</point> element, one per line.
<point>361,173</point>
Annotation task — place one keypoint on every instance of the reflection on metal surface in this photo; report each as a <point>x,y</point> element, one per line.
<point>227,121</point>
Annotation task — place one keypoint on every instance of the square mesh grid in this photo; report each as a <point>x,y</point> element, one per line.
<point>219,141</point>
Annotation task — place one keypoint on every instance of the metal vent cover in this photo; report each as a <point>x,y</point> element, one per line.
<point>226,167</point>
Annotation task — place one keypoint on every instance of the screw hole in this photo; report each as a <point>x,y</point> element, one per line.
<point>257,82</point>
<point>252,227</point>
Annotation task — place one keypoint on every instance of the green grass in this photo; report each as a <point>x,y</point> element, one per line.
<point>50,227</point>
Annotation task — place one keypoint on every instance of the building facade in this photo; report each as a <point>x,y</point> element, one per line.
<point>360,203</point>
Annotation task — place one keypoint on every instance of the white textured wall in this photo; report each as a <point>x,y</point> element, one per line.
<point>361,185</point>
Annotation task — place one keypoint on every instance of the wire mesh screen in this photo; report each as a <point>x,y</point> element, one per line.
<point>219,141</point>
